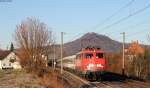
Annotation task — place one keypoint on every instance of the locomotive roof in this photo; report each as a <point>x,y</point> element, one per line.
<point>91,51</point>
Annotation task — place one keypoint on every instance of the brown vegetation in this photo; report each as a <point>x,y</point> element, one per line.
<point>35,46</point>
<point>34,42</point>
<point>114,63</point>
<point>135,49</point>
<point>137,62</point>
<point>52,79</point>
<point>32,36</point>
<point>17,79</point>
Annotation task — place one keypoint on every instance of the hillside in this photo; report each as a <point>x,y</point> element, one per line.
<point>92,39</point>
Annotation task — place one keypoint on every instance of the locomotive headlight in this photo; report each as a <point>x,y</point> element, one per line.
<point>90,66</point>
<point>99,65</point>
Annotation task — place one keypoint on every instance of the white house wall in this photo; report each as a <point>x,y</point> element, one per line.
<point>16,64</point>
<point>5,63</point>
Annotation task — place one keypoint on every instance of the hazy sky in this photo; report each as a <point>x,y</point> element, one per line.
<point>76,17</point>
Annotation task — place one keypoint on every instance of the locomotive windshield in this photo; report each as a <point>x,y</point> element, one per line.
<point>99,55</point>
<point>88,55</point>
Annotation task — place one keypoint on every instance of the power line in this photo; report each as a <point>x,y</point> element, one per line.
<point>135,33</point>
<point>108,18</point>
<point>127,17</point>
<point>139,32</point>
<point>135,25</point>
<point>115,13</point>
<point>75,37</point>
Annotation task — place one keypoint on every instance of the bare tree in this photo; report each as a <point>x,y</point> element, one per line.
<point>137,61</point>
<point>33,39</point>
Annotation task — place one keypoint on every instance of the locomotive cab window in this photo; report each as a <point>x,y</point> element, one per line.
<point>99,55</point>
<point>88,55</point>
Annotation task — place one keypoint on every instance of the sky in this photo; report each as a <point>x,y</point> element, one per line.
<point>77,17</point>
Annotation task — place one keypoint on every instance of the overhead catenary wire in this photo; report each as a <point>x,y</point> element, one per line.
<point>139,32</point>
<point>115,13</point>
<point>76,36</point>
<point>108,18</point>
<point>135,33</point>
<point>135,25</point>
<point>125,18</point>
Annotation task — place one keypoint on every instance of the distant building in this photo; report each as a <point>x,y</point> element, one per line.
<point>9,60</point>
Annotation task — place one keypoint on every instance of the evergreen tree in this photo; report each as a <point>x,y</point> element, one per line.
<point>11,47</point>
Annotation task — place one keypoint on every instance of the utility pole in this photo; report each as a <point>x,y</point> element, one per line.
<point>54,56</point>
<point>123,54</point>
<point>62,51</point>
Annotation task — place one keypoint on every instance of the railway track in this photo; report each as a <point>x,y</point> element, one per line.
<point>121,84</point>
<point>74,81</point>
<point>128,83</point>
<point>107,84</point>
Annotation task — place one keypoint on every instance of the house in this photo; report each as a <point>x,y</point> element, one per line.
<point>9,60</point>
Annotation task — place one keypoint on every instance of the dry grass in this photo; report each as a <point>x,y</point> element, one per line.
<point>53,79</point>
<point>17,79</point>
<point>22,79</point>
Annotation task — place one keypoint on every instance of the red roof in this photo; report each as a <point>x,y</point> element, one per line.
<point>3,54</point>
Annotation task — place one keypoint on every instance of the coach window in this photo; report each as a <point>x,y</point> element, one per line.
<point>99,55</point>
<point>88,55</point>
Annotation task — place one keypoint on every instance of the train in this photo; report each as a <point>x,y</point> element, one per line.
<point>90,62</point>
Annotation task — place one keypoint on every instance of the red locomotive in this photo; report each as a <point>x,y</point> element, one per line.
<point>91,62</point>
